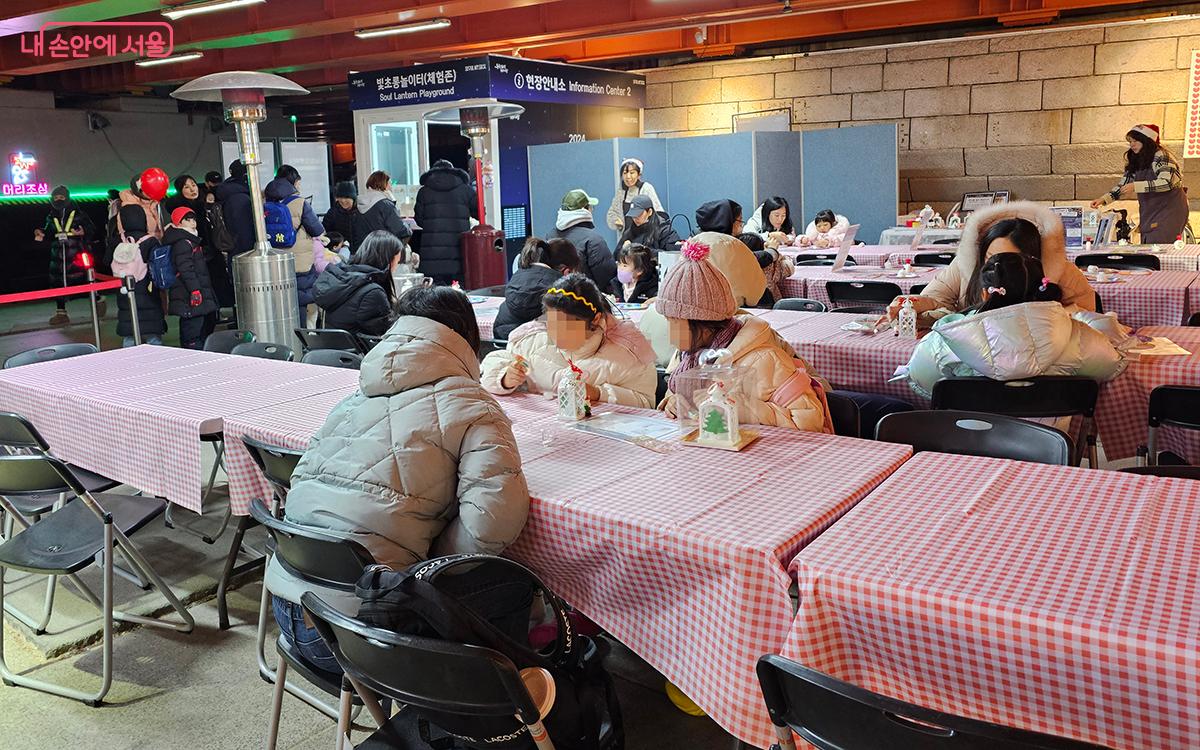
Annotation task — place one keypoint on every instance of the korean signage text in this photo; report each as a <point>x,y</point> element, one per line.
<point>64,40</point>
<point>21,176</point>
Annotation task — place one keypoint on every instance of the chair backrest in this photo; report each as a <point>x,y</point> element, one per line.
<point>222,342</point>
<point>1099,304</point>
<point>1045,396</point>
<point>49,353</point>
<point>333,358</point>
<point>488,291</point>
<point>873,293</point>
<point>264,350</point>
<point>933,259</point>
<point>976,434</point>
<point>945,241</point>
<point>319,557</point>
<point>800,304</point>
<point>916,289</point>
<point>822,259</point>
<point>843,412</point>
<point>18,432</point>
<point>427,673</point>
<point>660,391</point>
<point>367,343</point>
<point>1193,320</point>
<point>326,338</point>
<point>1178,472</point>
<point>1119,260</point>
<point>277,464</point>
<point>1177,405</point>
<point>832,714</point>
<point>36,474</point>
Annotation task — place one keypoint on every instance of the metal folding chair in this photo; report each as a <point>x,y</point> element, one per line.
<point>48,354</point>
<point>977,434</point>
<point>222,342</point>
<point>264,350</point>
<point>1170,406</point>
<point>327,338</point>
<point>800,304</point>
<point>875,294</point>
<point>1122,261</point>
<point>333,358</point>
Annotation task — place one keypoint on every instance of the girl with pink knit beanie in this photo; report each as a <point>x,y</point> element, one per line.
<point>779,389</point>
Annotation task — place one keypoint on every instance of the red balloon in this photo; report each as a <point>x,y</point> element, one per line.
<point>154,184</point>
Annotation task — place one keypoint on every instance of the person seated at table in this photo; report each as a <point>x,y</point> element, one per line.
<point>775,265</point>
<point>1017,227</point>
<point>539,267</point>
<point>579,327</point>
<point>644,225</point>
<point>358,296</point>
<point>698,303</point>
<point>637,274</point>
<point>827,229</point>
<point>773,221</point>
<point>419,462</point>
<point>1018,330</point>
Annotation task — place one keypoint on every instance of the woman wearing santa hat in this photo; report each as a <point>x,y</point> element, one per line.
<point>1152,175</point>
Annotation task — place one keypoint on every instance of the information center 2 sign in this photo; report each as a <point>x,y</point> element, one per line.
<point>499,77</point>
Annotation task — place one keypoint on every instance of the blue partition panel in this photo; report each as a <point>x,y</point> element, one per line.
<point>710,167</point>
<point>555,168</point>
<point>777,170</point>
<point>853,171</point>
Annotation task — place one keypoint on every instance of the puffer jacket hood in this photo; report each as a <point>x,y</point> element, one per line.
<point>1050,227</point>
<point>739,265</point>
<point>569,218</point>
<point>445,179</point>
<point>278,189</point>
<point>231,186</point>
<point>368,198</point>
<point>715,216</point>
<point>1019,341</point>
<point>338,283</point>
<point>415,352</point>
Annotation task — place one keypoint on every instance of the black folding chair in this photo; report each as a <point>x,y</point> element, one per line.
<point>1192,321</point>
<point>327,338</point>
<point>1099,304</point>
<point>424,673</point>
<point>660,391</point>
<point>800,304</point>
<point>333,358</point>
<point>946,241</point>
<point>971,433</point>
<point>835,715</point>
<point>1123,261</point>
<point>49,354</point>
<point>66,541</point>
<point>488,291</point>
<point>222,342</point>
<point>1170,406</point>
<point>822,259</point>
<point>933,259</point>
<point>367,343</point>
<point>1178,472</point>
<point>843,412</point>
<point>874,294</point>
<point>1045,396</point>
<point>264,350</point>
<point>916,289</point>
<point>318,558</point>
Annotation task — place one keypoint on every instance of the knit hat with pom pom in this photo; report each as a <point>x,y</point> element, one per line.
<point>695,289</point>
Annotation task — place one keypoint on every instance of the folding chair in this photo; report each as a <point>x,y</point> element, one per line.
<point>843,412</point>
<point>426,673</point>
<point>264,350</point>
<point>49,354</point>
<point>1179,472</point>
<point>333,358</point>
<point>800,304</point>
<point>1045,396</point>
<point>222,342</point>
<point>327,338</point>
<point>68,540</point>
<point>367,343</point>
<point>977,434</point>
<point>1193,320</point>
<point>822,259</point>
<point>876,294</point>
<point>832,715</point>
<point>1170,406</point>
<point>1100,305</point>
<point>1123,261</point>
<point>933,259</point>
<point>318,558</point>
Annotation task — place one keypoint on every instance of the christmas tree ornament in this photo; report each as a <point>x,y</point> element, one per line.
<point>719,426</point>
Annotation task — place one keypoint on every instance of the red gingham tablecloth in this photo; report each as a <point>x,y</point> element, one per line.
<point>864,255</point>
<point>1158,298</point>
<point>485,314</point>
<point>1170,259</point>
<point>1121,410</point>
<point>136,415</point>
<point>1050,598</point>
<point>809,281</point>
<point>850,360</point>
<point>687,567</point>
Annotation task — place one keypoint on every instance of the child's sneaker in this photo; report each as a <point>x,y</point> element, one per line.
<point>60,318</point>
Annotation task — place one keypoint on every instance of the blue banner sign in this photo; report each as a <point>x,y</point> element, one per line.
<point>420,84</point>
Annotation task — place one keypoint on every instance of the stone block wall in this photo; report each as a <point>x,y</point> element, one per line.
<point>1042,114</point>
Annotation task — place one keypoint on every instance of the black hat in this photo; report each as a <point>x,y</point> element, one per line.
<point>213,176</point>
<point>237,170</point>
<point>345,189</point>
<point>638,205</point>
<point>60,190</point>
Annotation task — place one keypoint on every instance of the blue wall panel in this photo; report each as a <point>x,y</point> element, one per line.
<point>854,172</point>
<point>778,170</point>
<point>709,167</point>
<point>555,168</point>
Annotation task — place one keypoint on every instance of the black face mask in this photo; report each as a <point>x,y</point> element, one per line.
<point>58,203</point>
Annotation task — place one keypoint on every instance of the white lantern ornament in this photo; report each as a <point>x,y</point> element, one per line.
<point>719,419</point>
<point>572,396</point>
<point>906,320</point>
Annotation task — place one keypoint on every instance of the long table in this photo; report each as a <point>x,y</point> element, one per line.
<point>1050,598</point>
<point>1170,259</point>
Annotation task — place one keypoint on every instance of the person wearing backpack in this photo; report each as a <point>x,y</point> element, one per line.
<point>192,297</point>
<point>131,257</point>
<point>292,225</point>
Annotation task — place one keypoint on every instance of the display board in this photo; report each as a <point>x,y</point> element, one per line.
<point>266,170</point>
<point>1072,219</point>
<point>561,167</point>
<point>311,160</point>
<point>778,166</point>
<point>772,120</point>
<point>853,171</point>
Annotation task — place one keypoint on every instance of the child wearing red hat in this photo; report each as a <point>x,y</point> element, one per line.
<point>192,298</point>
<point>1152,175</point>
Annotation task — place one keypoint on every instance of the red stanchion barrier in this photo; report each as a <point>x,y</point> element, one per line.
<point>102,284</point>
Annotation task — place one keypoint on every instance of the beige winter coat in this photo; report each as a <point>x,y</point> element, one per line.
<point>420,462</point>
<point>769,362</point>
<point>153,225</point>
<point>616,359</point>
<point>949,287</point>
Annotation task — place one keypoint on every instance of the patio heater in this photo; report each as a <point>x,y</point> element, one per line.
<point>483,255</point>
<point>264,278</point>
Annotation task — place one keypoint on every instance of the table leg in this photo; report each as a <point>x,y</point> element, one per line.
<point>233,569</point>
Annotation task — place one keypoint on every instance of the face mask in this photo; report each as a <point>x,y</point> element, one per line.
<point>59,203</point>
<point>624,276</point>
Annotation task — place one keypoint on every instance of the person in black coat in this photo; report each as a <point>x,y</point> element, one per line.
<point>444,209</point>
<point>192,297</point>
<point>189,194</point>
<point>637,275</point>
<point>69,232</point>
<point>343,216</point>
<point>378,208</point>
<point>575,224</point>
<point>358,296</point>
<point>234,196</point>
<point>645,226</point>
<point>152,323</point>
<point>541,265</point>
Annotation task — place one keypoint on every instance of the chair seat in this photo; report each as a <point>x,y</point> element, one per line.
<point>68,540</point>
<point>329,682</point>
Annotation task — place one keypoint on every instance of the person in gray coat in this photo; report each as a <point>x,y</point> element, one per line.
<point>575,224</point>
<point>419,462</point>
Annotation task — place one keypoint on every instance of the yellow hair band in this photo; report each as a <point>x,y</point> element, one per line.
<point>573,295</point>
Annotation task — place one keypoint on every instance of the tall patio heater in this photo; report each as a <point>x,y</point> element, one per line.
<point>264,278</point>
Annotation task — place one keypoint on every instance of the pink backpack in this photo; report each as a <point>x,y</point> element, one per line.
<point>127,259</point>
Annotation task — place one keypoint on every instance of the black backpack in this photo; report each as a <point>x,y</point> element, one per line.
<point>222,238</point>
<point>586,715</point>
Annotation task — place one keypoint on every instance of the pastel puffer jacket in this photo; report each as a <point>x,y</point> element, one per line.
<point>617,359</point>
<point>1020,341</point>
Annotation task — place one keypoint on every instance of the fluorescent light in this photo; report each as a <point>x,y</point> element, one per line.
<point>210,6</point>
<point>168,60</point>
<point>407,28</point>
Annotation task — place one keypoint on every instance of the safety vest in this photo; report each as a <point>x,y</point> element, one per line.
<point>62,232</point>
